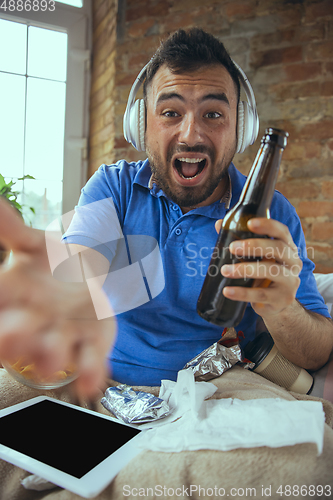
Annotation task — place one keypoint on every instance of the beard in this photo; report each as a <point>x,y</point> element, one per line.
<point>188,196</point>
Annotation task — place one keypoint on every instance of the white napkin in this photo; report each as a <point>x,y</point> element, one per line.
<point>186,394</point>
<point>226,424</point>
<point>182,396</point>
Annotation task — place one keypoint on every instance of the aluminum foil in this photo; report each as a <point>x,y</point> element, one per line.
<point>134,407</point>
<point>215,360</point>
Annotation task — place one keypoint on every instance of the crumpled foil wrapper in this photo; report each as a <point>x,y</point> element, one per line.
<point>215,360</point>
<point>134,407</point>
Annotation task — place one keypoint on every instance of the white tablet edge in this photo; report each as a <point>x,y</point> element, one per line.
<point>92,483</point>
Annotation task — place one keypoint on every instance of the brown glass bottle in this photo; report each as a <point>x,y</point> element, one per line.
<point>255,201</point>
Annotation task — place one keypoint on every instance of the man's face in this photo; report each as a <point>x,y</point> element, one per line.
<point>191,133</point>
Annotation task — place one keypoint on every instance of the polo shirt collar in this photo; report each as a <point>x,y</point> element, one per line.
<point>143,174</point>
<point>144,178</point>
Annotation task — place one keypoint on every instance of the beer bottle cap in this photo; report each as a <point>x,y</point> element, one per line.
<point>275,135</point>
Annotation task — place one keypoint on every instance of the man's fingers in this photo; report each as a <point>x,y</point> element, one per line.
<point>91,359</point>
<point>218,225</point>
<point>54,353</point>
<point>263,269</point>
<point>26,333</point>
<point>266,249</point>
<point>273,229</point>
<point>18,329</point>
<point>14,234</point>
<point>76,344</point>
<point>268,227</point>
<point>91,370</point>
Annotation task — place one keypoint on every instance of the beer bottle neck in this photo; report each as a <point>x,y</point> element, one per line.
<point>260,184</point>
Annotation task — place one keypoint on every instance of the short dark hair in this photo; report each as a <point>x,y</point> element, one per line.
<point>186,51</point>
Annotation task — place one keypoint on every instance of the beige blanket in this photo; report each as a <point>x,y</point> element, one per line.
<point>256,473</point>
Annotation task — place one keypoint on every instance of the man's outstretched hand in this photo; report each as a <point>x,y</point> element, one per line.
<point>51,322</point>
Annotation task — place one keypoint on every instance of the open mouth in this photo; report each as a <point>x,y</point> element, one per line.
<point>190,168</point>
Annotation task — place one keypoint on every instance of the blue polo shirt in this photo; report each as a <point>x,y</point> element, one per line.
<point>158,260</point>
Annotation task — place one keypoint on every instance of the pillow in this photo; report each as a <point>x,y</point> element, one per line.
<point>323,378</point>
<point>325,288</point>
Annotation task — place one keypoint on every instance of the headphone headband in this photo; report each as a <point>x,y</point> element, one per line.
<point>247,116</point>
<point>130,104</point>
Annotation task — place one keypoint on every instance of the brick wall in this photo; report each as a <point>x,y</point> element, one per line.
<point>284,46</point>
<point>102,107</point>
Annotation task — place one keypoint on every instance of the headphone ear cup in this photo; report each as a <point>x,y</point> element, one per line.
<point>245,126</point>
<point>137,119</point>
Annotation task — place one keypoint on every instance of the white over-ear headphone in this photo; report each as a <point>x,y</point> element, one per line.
<point>247,120</point>
<point>135,115</point>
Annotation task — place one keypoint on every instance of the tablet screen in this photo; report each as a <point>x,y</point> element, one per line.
<point>62,437</point>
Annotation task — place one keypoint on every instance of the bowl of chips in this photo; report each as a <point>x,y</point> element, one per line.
<point>27,374</point>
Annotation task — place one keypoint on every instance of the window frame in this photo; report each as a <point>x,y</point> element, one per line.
<point>77,23</point>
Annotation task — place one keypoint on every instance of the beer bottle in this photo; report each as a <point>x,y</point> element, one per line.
<point>255,201</point>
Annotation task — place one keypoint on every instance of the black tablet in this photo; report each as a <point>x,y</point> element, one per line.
<point>75,448</point>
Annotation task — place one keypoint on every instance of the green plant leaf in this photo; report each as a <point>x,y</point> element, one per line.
<point>7,191</point>
<point>26,177</point>
<point>16,205</point>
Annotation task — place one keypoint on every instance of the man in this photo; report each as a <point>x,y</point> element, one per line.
<point>174,198</point>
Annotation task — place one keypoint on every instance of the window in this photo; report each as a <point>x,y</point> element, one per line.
<point>32,107</point>
<point>44,83</point>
